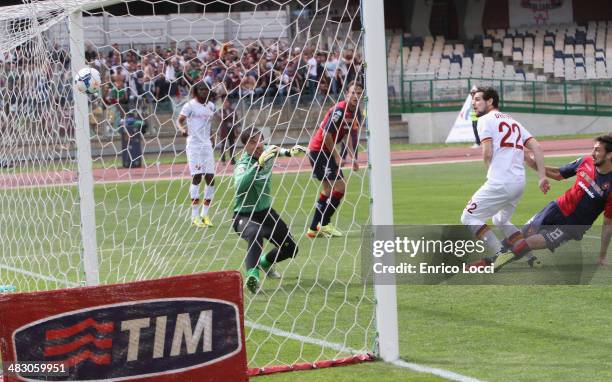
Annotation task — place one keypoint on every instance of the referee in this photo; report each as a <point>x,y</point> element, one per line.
<point>254,217</point>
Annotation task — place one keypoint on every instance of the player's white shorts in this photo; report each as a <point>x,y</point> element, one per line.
<point>499,200</point>
<point>201,160</point>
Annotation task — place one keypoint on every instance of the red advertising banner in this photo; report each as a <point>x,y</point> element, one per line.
<point>184,328</point>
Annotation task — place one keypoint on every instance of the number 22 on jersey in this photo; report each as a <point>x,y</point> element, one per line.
<point>507,140</point>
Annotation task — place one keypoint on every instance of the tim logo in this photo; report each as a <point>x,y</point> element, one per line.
<point>135,339</point>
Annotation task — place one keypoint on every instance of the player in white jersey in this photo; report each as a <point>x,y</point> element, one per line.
<point>503,140</point>
<point>195,122</point>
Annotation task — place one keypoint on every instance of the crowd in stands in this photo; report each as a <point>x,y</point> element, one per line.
<point>255,71</point>
<point>162,76</point>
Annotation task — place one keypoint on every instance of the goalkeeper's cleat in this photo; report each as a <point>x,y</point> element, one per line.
<point>329,231</point>
<point>197,222</point>
<point>311,233</point>
<point>206,221</point>
<point>503,260</point>
<point>534,262</point>
<point>252,280</point>
<point>272,273</point>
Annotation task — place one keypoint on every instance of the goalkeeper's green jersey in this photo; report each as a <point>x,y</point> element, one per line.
<point>252,185</point>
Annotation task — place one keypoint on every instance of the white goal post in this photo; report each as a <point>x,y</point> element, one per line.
<point>73,215</point>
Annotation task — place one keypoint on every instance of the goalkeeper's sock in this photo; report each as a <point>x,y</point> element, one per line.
<point>334,203</point>
<point>253,272</point>
<point>194,193</point>
<point>319,209</point>
<point>264,263</point>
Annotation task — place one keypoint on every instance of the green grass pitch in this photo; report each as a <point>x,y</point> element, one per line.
<point>493,333</point>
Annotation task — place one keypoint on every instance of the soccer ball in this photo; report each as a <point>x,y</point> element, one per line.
<point>88,80</point>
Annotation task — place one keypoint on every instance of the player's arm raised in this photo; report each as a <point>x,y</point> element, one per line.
<point>533,145</point>
<point>606,235</point>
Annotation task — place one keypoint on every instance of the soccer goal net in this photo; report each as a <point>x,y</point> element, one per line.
<point>120,190</point>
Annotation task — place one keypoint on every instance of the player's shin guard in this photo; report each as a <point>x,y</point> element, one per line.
<point>334,203</point>
<point>319,209</point>
<point>194,193</point>
<point>209,192</point>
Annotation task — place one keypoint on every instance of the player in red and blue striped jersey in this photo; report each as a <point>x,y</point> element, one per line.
<point>325,159</point>
<point>574,212</point>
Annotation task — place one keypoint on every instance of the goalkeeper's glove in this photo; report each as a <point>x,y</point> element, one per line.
<point>268,155</point>
<point>297,150</point>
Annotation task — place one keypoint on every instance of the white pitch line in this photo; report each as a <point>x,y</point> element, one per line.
<point>451,376</point>
<point>305,339</point>
<point>39,276</point>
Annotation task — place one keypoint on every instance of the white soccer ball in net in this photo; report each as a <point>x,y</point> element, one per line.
<point>88,81</point>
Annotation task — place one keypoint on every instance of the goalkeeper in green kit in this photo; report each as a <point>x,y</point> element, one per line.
<point>254,217</point>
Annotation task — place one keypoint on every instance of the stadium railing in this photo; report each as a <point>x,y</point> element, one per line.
<point>575,98</point>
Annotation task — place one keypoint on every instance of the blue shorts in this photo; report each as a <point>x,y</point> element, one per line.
<point>553,226</point>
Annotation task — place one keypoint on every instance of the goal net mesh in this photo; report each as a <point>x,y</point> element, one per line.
<point>280,65</point>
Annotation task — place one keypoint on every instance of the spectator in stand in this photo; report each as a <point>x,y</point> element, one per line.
<point>162,90</point>
<point>148,67</point>
<point>117,100</point>
<point>194,73</point>
<point>247,87</point>
<point>312,73</point>
<point>232,83</point>
<point>323,90</point>
<point>229,130</point>
<point>346,66</point>
<point>91,54</point>
<point>331,67</point>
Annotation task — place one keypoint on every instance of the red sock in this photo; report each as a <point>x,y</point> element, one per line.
<point>521,248</point>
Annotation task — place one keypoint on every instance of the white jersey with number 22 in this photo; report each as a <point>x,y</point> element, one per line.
<point>508,138</point>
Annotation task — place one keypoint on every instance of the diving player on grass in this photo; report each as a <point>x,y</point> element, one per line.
<point>254,217</point>
<point>574,212</point>
<point>503,140</point>
<point>325,159</point>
